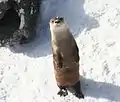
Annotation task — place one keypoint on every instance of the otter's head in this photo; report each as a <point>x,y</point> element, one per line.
<point>57,24</point>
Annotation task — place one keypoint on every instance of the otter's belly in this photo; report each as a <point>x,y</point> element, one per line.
<point>67,75</point>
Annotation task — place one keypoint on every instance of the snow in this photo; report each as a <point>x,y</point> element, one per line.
<point>26,73</point>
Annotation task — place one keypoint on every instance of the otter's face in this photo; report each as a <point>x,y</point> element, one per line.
<point>57,23</point>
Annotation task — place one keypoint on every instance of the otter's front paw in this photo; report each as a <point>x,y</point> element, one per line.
<point>62,93</point>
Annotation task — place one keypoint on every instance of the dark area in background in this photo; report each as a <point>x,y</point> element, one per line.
<point>10,20</point>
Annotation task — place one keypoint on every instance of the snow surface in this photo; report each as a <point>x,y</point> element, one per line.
<point>26,73</point>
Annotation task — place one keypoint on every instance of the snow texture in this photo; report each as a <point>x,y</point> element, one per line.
<point>26,73</point>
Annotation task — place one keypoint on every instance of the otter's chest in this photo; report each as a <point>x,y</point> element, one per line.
<point>64,45</point>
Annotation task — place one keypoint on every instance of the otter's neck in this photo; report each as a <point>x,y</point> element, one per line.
<point>57,36</point>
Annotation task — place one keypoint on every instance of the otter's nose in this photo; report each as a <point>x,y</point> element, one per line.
<point>57,21</point>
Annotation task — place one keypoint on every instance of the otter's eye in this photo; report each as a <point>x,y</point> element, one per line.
<point>52,21</point>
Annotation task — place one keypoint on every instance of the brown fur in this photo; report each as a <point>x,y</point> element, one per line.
<point>65,59</point>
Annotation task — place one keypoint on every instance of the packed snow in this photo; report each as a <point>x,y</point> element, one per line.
<point>26,72</point>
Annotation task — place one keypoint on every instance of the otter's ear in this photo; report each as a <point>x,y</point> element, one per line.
<point>61,19</point>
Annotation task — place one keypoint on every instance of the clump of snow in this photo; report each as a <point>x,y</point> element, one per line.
<point>29,76</point>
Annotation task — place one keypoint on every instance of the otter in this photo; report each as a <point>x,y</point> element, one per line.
<point>65,58</point>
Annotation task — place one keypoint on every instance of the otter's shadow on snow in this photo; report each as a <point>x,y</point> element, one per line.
<point>75,16</point>
<point>104,90</point>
